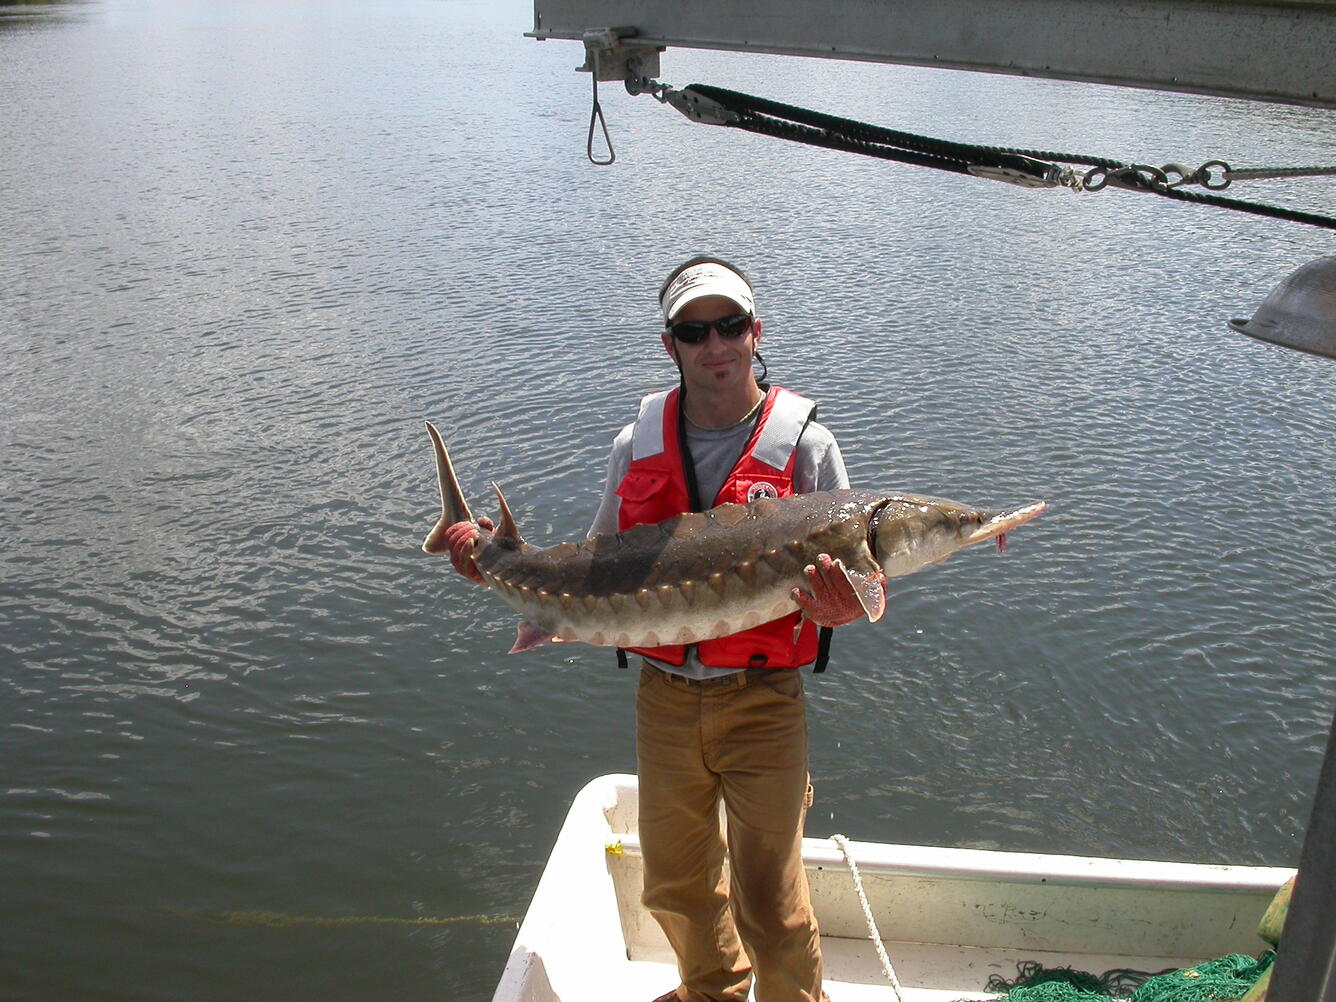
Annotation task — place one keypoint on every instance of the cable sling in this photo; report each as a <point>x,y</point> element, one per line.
<point>1023,167</point>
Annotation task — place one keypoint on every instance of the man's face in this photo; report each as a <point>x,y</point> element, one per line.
<point>717,364</point>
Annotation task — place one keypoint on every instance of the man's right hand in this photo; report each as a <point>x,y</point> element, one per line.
<point>460,537</point>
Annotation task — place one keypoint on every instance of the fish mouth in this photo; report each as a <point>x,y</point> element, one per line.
<point>998,526</point>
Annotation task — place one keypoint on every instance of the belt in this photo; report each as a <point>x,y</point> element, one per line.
<point>738,678</point>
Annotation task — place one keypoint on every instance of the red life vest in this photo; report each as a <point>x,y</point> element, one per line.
<point>655,488</point>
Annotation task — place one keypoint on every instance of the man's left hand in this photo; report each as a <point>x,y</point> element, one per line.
<point>829,599</point>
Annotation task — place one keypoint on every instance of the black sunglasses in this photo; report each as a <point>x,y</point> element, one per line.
<point>696,331</point>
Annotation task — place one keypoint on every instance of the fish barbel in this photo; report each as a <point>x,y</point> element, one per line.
<point>709,574</point>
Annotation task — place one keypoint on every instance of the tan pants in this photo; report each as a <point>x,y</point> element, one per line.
<point>743,739</point>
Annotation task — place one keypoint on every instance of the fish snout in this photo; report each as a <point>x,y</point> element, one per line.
<point>997,526</point>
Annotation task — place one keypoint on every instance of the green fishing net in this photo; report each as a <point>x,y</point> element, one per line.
<point>1225,979</point>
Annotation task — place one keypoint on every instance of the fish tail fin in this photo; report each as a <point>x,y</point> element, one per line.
<point>508,530</point>
<point>453,506</point>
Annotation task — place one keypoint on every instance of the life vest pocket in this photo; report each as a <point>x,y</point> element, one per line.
<point>639,486</point>
<point>648,496</point>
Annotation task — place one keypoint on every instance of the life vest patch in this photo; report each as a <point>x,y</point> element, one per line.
<point>761,489</point>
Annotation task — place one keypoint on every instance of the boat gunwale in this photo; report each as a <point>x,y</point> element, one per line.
<point>945,862</point>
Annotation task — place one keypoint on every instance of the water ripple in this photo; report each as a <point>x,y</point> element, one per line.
<point>238,279</point>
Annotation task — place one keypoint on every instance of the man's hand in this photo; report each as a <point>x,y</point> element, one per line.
<point>830,599</point>
<point>459,537</point>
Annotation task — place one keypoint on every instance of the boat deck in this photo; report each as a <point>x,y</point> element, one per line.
<point>926,972</point>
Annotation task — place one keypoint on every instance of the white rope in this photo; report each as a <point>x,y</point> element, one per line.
<point>873,934</point>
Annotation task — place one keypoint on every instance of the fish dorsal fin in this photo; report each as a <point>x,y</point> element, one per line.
<point>508,528</point>
<point>870,587</point>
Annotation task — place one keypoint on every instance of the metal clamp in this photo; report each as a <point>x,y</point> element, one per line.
<point>612,54</point>
<point>609,57</point>
<point>1050,178</point>
<point>699,108</point>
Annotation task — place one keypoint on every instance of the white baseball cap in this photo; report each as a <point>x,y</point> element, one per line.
<point>708,279</point>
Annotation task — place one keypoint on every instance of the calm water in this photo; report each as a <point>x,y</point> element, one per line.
<point>256,745</point>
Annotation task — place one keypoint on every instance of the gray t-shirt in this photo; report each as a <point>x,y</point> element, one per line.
<point>818,466</point>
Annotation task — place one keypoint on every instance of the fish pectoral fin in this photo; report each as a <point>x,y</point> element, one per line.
<point>528,636</point>
<point>870,587</point>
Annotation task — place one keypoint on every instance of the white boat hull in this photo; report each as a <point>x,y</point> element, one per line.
<point>949,918</point>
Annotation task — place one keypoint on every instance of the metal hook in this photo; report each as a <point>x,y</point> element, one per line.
<point>1138,177</point>
<point>1185,176</point>
<point>596,113</point>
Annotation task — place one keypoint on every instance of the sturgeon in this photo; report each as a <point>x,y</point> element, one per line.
<point>708,574</point>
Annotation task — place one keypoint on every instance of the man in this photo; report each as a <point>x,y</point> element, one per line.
<point>724,719</point>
